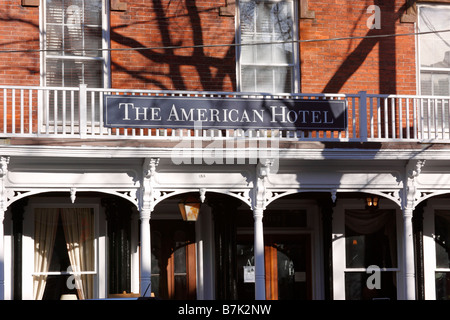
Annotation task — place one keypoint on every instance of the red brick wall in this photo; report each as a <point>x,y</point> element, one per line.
<point>385,65</point>
<point>376,65</point>
<point>19,30</point>
<point>164,23</point>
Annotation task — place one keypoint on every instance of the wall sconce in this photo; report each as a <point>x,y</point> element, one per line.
<point>372,202</point>
<point>190,208</point>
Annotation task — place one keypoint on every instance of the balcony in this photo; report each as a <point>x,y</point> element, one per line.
<point>77,113</point>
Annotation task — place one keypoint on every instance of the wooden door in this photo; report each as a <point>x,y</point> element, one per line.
<point>288,267</point>
<point>173,260</point>
<point>288,271</point>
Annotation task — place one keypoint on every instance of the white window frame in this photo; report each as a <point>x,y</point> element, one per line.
<point>105,43</point>
<point>339,246</point>
<point>295,53</point>
<point>437,105</point>
<point>100,272</point>
<point>429,246</point>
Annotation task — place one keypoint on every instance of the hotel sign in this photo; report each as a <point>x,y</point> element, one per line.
<point>223,113</point>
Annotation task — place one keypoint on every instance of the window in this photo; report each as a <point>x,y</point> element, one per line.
<point>370,241</point>
<point>442,250</point>
<point>266,66</point>
<point>73,37</point>
<point>173,260</point>
<point>365,252</point>
<point>434,63</point>
<point>64,253</point>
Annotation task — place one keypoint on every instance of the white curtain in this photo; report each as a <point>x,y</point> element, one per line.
<point>45,225</point>
<point>78,226</point>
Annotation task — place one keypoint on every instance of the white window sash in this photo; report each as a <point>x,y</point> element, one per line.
<point>105,56</point>
<point>293,65</point>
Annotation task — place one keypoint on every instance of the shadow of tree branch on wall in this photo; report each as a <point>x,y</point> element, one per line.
<point>18,42</point>
<point>387,57</point>
<point>165,68</point>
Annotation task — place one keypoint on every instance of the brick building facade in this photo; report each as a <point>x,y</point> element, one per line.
<point>91,209</point>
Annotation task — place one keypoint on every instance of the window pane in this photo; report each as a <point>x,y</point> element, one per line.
<point>442,286</point>
<point>441,84</point>
<point>56,286</point>
<point>73,29</point>
<point>442,238</point>
<point>434,47</point>
<point>64,242</point>
<point>60,257</point>
<point>435,83</point>
<point>180,287</point>
<point>71,73</point>
<point>266,67</point>
<point>370,238</point>
<point>267,79</point>
<point>356,286</point>
<point>179,257</point>
<point>426,87</point>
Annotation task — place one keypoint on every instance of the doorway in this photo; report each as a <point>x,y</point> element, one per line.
<point>287,267</point>
<point>173,259</point>
<point>288,254</point>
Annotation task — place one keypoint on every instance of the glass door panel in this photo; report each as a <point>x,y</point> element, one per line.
<point>287,266</point>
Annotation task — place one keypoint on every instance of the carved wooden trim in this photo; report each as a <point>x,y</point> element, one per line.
<point>117,5</point>
<point>410,14</point>
<point>30,3</point>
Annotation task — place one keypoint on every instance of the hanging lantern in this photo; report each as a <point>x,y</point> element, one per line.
<point>190,208</point>
<point>372,202</point>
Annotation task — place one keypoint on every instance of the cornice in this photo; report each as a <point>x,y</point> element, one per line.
<point>166,152</point>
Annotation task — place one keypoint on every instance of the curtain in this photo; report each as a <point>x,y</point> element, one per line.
<point>45,225</point>
<point>367,222</point>
<point>79,234</point>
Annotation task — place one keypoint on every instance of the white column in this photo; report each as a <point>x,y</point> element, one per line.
<point>2,257</point>
<point>408,255</point>
<point>260,281</point>
<point>4,161</point>
<point>410,194</point>
<point>146,208</point>
<point>146,259</point>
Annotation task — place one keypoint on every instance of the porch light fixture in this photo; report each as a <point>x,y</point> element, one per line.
<point>372,202</point>
<point>189,208</point>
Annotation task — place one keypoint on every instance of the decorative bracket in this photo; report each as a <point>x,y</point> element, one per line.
<point>333,195</point>
<point>202,194</point>
<point>73,194</point>
<point>410,194</point>
<point>259,190</point>
<point>4,161</point>
<point>147,196</point>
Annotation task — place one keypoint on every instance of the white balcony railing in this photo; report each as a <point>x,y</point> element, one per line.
<point>46,112</point>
